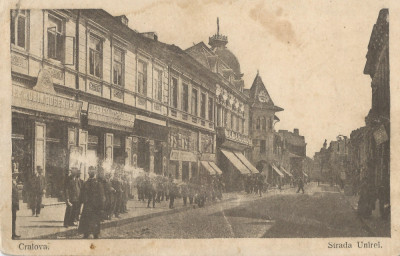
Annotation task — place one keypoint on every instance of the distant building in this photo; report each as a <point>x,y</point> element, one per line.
<point>293,151</point>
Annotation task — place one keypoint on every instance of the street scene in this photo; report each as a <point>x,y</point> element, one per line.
<point>117,134</point>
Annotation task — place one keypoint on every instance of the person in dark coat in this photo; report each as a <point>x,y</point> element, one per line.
<point>72,197</point>
<point>15,205</point>
<point>184,193</point>
<point>93,203</point>
<point>109,192</point>
<point>173,192</point>
<point>300,183</point>
<point>117,185</point>
<point>38,189</point>
<point>125,194</point>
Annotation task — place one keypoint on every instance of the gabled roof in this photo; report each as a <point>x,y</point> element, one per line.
<point>259,90</point>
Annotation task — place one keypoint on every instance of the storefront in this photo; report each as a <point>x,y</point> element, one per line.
<point>184,153</point>
<point>41,123</point>
<point>150,138</point>
<point>107,137</point>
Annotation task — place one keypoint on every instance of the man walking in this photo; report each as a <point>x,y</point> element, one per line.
<point>301,185</point>
<point>38,189</point>
<point>15,205</point>
<point>93,204</point>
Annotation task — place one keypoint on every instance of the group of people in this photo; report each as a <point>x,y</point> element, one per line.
<point>158,188</point>
<point>255,184</point>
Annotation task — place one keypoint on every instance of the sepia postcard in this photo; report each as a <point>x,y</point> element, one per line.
<point>200,127</point>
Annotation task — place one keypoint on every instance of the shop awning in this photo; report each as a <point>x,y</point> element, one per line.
<point>208,167</point>
<point>288,173</point>
<point>216,168</point>
<point>150,130</point>
<point>236,162</point>
<point>246,162</point>
<point>277,170</point>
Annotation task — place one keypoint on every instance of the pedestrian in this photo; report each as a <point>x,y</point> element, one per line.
<point>125,194</point>
<point>38,189</point>
<point>117,185</point>
<point>109,192</point>
<point>151,192</point>
<point>15,205</point>
<point>173,192</point>
<point>184,192</point>
<point>260,184</point>
<point>72,199</point>
<point>93,202</point>
<point>300,183</point>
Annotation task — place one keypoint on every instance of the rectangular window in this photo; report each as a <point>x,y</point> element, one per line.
<point>203,106</point>
<point>262,146</point>
<point>118,67</point>
<point>158,85</point>
<point>237,124</point>
<point>233,118</point>
<point>194,102</point>
<point>174,93</point>
<point>142,77</point>
<point>264,124</point>
<point>210,109</point>
<point>55,39</point>
<point>95,56</point>
<point>185,97</point>
<point>243,126</point>
<point>18,28</point>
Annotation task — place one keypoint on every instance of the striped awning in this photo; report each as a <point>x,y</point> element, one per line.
<point>277,170</point>
<point>236,162</point>
<point>246,162</point>
<point>208,167</point>
<point>288,173</point>
<point>216,168</point>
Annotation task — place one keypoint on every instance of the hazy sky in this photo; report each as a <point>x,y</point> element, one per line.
<point>310,54</point>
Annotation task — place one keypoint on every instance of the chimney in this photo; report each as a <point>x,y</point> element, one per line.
<point>151,35</point>
<point>123,19</point>
<point>296,131</point>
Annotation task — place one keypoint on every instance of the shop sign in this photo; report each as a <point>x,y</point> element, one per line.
<point>380,135</point>
<point>43,102</point>
<point>177,155</point>
<point>110,116</point>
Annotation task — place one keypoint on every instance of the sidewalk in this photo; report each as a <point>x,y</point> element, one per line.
<point>375,226</point>
<point>50,223</point>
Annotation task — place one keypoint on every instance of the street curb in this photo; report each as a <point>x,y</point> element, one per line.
<point>120,222</point>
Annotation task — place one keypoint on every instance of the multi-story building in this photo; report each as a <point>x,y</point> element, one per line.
<point>370,145</point>
<point>338,160</point>
<point>87,88</point>
<point>261,123</point>
<point>292,152</point>
<point>231,108</point>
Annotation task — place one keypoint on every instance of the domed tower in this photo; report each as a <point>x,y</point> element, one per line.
<point>218,44</point>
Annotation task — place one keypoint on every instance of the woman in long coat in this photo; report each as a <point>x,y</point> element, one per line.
<point>93,202</point>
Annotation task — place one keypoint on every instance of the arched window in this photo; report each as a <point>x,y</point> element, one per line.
<point>258,124</point>
<point>264,124</point>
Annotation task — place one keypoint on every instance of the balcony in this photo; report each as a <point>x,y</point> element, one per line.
<point>185,117</point>
<point>233,136</point>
